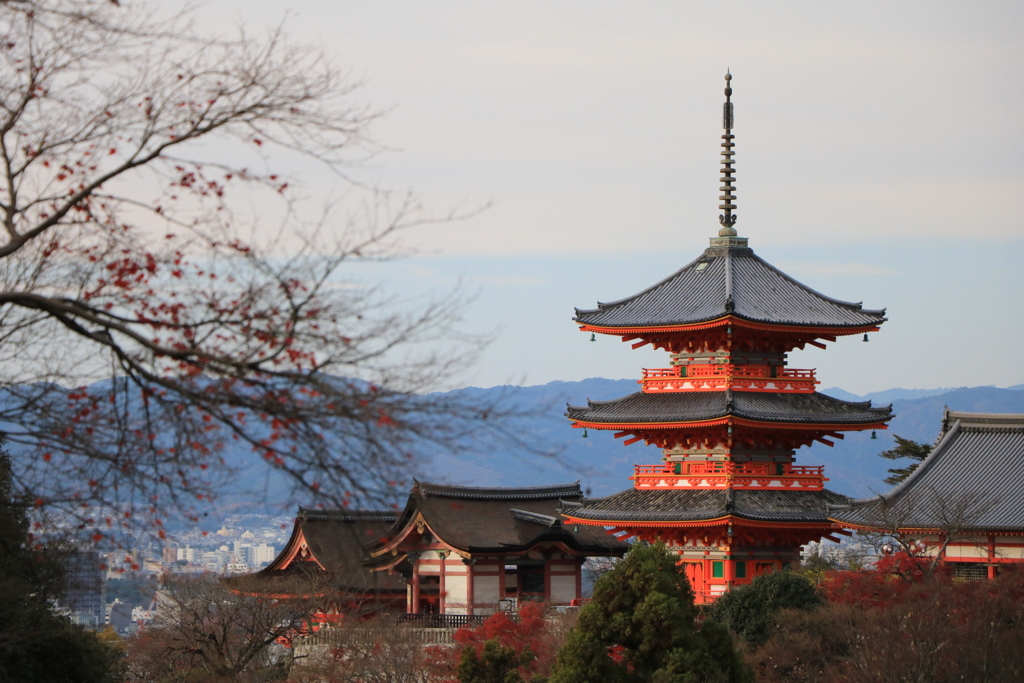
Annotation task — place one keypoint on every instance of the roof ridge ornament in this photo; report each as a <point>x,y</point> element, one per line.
<point>727,219</point>
<point>727,235</point>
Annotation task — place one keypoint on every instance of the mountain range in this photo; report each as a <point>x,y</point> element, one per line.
<point>546,450</point>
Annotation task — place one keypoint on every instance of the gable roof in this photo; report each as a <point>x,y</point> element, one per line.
<point>729,281</point>
<point>501,520</point>
<point>973,478</point>
<point>335,543</point>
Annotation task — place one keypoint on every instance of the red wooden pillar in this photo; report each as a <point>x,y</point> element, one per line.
<point>501,578</point>
<point>469,586</point>
<point>579,577</point>
<point>706,583</point>
<point>729,567</point>
<point>547,579</point>
<point>991,556</point>
<point>416,586</point>
<point>441,592</point>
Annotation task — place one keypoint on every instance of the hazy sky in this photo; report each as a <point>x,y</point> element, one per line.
<point>880,156</point>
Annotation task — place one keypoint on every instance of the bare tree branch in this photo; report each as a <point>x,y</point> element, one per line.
<point>145,331</point>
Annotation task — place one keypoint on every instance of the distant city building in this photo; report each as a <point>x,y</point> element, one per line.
<point>119,616</point>
<point>141,615</point>
<point>85,596</point>
<point>261,554</point>
<point>120,564</point>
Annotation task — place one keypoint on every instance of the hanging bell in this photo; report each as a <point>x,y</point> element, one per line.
<point>593,337</point>
<point>865,336</point>
<point>585,434</point>
<point>873,435</point>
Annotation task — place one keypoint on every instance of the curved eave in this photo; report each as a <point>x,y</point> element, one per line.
<point>735,321</point>
<point>568,543</point>
<point>296,542</point>
<point>565,544</point>
<point>1002,531</point>
<point>729,419</point>
<point>401,533</point>
<point>694,523</point>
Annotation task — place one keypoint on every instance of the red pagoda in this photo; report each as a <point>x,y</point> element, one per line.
<point>728,413</point>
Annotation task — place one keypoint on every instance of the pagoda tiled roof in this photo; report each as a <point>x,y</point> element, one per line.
<point>973,479</point>
<point>636,506</point>
<point>729,281</point>
<point>502,520</point>
<point>695,406</point>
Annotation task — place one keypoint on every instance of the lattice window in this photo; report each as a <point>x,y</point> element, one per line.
<point>968,571</point>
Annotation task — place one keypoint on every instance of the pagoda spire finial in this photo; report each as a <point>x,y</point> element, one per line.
<point>727,219</point>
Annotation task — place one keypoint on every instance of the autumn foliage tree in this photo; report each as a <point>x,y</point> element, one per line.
<point>526,645</point>
<point>900,623</point>
<point>148,318</point>
<point>517,646</point>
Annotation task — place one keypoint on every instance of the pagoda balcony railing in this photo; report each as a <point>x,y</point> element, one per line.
<point>719,475</point>
<point>727,376</point>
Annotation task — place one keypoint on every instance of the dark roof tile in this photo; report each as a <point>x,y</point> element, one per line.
<point>694,406</point>
<point>633,505</point>
<point>339,540</point>
<point>724,278</point>
<point>498,492</point>
<point>974,477</point>
<point>485,520</point>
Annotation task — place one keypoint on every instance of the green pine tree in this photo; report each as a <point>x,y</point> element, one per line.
<point>749,611</point>
<point>640,627</point>
<point>496,664</point>
<point>905,448</point>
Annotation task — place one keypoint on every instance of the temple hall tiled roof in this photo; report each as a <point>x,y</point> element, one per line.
<point>339,540</point>
<point>498,492</point>
<point>724,281</point>
<point>501,520</point>
<point>707,405</point>
<point>973,479</point>
<point>637,506</point>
